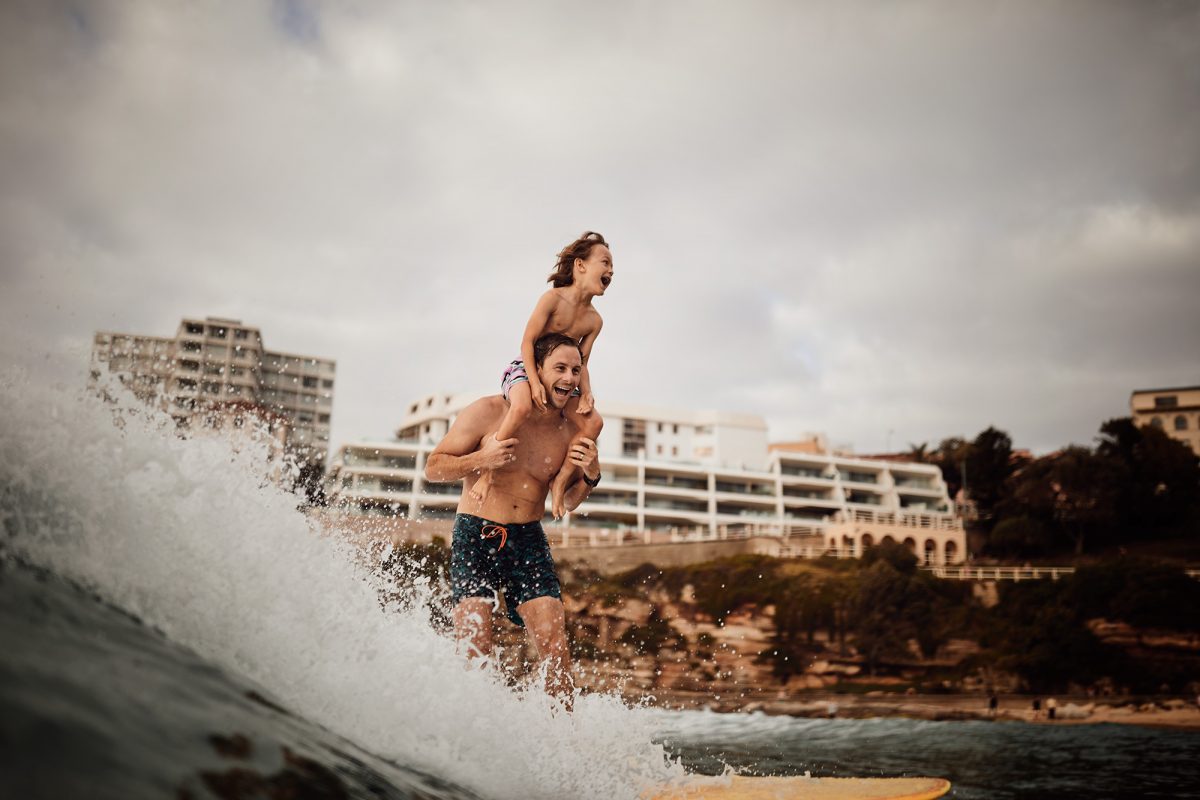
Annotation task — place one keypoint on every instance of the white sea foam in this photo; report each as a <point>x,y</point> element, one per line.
<point>184,534</point>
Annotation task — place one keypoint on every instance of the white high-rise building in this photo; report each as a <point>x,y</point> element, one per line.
<point>216,363</point>
<point>693,473</point>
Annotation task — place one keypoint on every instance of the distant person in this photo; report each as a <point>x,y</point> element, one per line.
<point>504,548</point>
<point>1037,708</point>
<point>583,271</point>
<point>1051,708</point>
<point>993,703</point>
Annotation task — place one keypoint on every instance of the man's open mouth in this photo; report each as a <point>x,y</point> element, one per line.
<point>562,391</point>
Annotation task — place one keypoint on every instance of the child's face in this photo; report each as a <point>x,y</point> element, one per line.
<point>595,272</point>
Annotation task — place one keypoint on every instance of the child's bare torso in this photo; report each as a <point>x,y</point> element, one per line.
<point>570,318</point>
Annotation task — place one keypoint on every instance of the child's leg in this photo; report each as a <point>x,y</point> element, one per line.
<point>590,427</point>
<point>520,403</point>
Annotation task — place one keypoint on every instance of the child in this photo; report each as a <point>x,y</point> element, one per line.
<point>583,271</point>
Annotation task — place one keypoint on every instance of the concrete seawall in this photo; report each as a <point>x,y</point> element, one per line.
<point>604,558</point>
<point>612,559</point>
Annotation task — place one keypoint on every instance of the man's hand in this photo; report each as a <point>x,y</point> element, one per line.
<point>583,454</point>
<point>496,454</point>
<point>586,403</point>
<point>538,392</point>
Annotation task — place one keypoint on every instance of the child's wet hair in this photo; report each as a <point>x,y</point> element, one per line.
<point>564,270</point>
<point>545,345</point>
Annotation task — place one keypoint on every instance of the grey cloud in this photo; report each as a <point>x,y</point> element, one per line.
<point>919,217</point>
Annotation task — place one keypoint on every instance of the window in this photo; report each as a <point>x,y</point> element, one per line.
<point>328,384</point>
<point>217,332</point>
<point>1181,423</point>
<point>189,365</point>
<point>660,426</point>
<point>1156,423</point>
<point>658,449</point>
<point>674,450</point>
<point>633,436</point>
<point>191,347</point>
<point>323,418</point>
<point>310,383</point>
<point>674,429</point>
<point>1166,401</point>
<point>241,333</point>
<point>193,327</point>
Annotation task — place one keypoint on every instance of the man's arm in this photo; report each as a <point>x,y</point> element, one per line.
<point>584,455</point>
<point>460,453</point>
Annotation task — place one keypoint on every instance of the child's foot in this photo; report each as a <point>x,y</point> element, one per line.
<point>481,487</point>
<point>558,495</point>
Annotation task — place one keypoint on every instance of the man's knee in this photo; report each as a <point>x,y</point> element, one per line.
<point>544,617</point>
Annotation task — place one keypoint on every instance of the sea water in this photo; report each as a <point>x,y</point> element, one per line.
<point>172,626</point>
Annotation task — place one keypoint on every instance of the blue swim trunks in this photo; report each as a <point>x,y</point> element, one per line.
<point>514,373</point>
<point>486,557</point>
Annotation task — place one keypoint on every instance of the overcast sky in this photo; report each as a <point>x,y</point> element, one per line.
<point>890,222</point>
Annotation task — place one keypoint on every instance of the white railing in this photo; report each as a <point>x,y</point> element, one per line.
<point>907,519</point>
<point>965,573</point>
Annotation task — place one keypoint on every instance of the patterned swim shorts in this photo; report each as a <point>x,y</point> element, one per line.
<point>514,373</point>
<point>514,558</point>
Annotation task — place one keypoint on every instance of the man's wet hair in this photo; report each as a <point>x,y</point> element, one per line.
<point>564,269</point>
<point>547,344</point>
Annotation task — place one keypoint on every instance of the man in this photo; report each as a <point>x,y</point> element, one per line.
<point>498,541</point>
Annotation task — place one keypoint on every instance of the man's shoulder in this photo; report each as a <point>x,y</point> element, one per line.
<point>486,406</point>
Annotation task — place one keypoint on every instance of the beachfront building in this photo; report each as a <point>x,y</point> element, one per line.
<point>215,367</point>
<point>1176,412</point>
<point>685,475</point>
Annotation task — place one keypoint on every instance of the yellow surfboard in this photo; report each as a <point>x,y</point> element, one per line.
<point>742,787</point>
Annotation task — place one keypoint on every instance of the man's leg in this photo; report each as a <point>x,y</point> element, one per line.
<point>473,627</point>
<point>546,622</point>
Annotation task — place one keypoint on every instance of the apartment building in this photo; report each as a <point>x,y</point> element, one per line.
<point>685,474</point>
<point>213,364</point>
<point>1176,412</point>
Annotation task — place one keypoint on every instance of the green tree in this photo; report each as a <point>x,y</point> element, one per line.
<point>1163,477</point>
<point>897,555</point>
<point>1075,490</point>
<point>884,613</point>
<point>989,463</point>
<point>1020,536</point>
<point>950,456</point>
<point>800,609</point>
<point>919,453</point>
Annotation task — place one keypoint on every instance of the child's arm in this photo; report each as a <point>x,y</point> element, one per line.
<point>586,401</point>
<point>536,326</point>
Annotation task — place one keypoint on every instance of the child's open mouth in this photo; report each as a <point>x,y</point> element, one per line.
<point>605,280</point>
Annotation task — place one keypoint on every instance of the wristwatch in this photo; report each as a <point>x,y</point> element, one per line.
<point>592,483</point>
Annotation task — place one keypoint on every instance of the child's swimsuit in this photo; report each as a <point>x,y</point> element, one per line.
<point>514,373</point>
<point>514,558</point>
